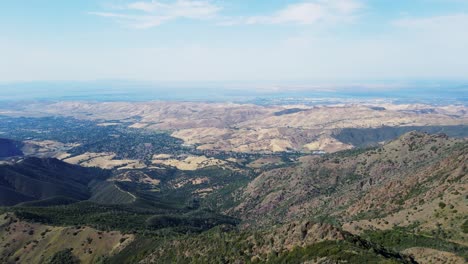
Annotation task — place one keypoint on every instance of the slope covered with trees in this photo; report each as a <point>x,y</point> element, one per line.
<point>37,179</point>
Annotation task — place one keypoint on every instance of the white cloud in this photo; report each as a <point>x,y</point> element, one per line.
<point>154,13</point>
<point>147,14</point>
<point>306,13</point>
<point>303,13</point>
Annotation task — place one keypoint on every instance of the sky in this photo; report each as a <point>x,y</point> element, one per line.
<point>239,40</point>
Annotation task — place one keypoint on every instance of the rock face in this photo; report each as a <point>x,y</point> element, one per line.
<point>298,234</point>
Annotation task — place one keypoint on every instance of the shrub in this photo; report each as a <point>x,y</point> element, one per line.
<point>464,227</point>
<point>64,257</point>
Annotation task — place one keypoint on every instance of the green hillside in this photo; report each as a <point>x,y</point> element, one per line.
<point>38,179</point>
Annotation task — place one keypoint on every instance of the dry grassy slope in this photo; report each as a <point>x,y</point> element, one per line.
<point>104,161</point>
<point>415,169</point>
<point>162,115</point>
<point>257,139</point>
<point>428,255</point>
<point>248,128</point>
<point>189,162</point>
<point>306,130</point>
<point>330,117</point>
<point>135,176</point>
<point>24,242</point>
<point>47,148</point>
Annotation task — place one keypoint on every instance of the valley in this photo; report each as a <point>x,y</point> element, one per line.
<point>180,182</point>
<point>234,132</point>
<point>248,128</point>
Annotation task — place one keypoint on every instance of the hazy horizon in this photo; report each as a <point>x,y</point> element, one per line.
<point>432,92</point>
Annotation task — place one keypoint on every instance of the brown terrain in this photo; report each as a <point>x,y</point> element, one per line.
<point>418,179</point>
<point>252,128</point>
<point>25,242</point>
<point>261,244</point>
<point>418,182</point>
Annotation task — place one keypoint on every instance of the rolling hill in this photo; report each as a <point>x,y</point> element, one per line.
<point>242,127</point>
<point>26,242</point>
<point>401,202</point>
<point>37,179</point>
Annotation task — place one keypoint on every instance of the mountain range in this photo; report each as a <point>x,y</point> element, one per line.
<point>401,202</point>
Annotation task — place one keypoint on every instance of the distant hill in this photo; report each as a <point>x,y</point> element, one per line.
<point>37,179</point>
<point>253,128</point>
<point>10,148</point>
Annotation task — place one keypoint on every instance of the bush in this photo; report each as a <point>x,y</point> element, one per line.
<point>64,257</point>
<point>464,227</point>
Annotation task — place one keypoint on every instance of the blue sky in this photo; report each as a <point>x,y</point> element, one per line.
<point>240,40</point>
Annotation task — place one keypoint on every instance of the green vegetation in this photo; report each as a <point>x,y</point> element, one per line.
<point>39,179</point>
<point>338,251</point>
<point>64,257</point>
<point>224,198</point>
<point>125,218</point>
<point>127,143</point>
<point>52,201</point>
<point>464,227</point>
<point>105,192</point>
<point>400,238</point>
<point>224,245</point>
<point>136,251</point>
<point>199,220</point>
